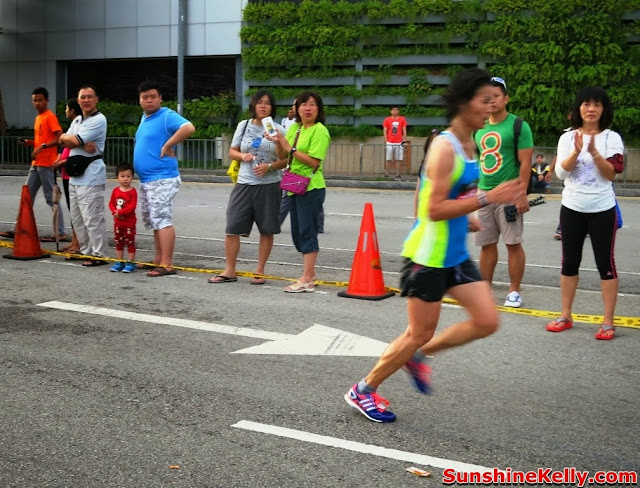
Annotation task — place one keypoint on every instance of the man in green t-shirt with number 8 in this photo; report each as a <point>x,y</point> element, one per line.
<point>506,147</point>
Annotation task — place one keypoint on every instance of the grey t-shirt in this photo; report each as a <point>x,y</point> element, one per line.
<point>255,143</point>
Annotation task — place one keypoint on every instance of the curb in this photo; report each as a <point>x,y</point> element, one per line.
<point>621,189</point>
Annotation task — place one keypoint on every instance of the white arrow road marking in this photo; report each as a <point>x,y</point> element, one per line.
<point>320,340</point>
<point>317,340</point>
<point>409,457</point>
<point>155,319</point>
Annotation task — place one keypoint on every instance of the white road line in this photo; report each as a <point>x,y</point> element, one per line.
<point>156,319</point>
<point>409,457</point>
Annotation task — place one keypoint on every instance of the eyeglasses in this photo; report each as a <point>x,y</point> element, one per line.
<point>501,81</point>
<point>309,104</point>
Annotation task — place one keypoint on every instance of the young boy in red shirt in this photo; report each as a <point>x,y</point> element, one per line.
<point>124,200</point>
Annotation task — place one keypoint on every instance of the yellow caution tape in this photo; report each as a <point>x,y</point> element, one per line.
<point>630,322</point>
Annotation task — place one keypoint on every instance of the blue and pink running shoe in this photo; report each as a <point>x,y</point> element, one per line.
<point>419,373</point>
<point>371,405</point>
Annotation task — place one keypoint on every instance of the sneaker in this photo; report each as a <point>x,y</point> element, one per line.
<point>119,266</point>
<point>371,405</point>
<point>514,300</point>
<point>419,373</point>
<point>130,268</point>
<point>398,178</point>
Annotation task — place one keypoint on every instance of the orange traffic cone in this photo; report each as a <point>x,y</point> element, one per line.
<point>366,281</point>
<point>26,244</point>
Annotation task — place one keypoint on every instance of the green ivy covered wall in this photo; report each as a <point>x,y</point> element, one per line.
<point>364,56</point>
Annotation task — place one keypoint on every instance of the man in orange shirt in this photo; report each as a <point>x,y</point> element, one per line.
<point>46,131</point>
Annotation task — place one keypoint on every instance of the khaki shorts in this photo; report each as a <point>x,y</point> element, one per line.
<point>494,224</point>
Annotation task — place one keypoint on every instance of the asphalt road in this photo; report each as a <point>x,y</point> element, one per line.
<point>174,396</point>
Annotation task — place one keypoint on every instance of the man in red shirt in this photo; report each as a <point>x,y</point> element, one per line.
<point>395,132</point>
<point>46,132</point>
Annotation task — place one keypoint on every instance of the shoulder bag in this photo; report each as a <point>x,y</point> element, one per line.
<point>234,167</point>
<point>293,182</point>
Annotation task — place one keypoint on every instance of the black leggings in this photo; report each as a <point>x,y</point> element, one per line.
<point>601,227</point>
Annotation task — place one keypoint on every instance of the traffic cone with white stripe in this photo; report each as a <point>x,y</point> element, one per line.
<point>366,281</point>
<point>26,243</point>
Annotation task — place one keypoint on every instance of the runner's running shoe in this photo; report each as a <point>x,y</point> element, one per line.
<point>371,405</point>
<point>419,373</point>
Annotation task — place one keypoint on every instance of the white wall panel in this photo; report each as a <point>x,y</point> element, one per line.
<point>9,87</point>
<point>30,75</point>
<point>59,15</point>
<point>195,11</point>
<point>90,44</point>
<point>154,12</point>
<point>121,13</point>
<point>90,14</point>
<point>122,43</point>
<point>224,11</point>
<point>8,48</point>
<point>195,40</point>
<point>9,15</point>
<point>223,38</point>
<point>30,16</point>
<point>30,46</point>
<point>154,41</point>
<point>59,45</point>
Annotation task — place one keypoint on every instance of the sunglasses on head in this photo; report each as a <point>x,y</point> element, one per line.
<point>501,81</point>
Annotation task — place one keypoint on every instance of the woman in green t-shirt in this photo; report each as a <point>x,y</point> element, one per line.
<point>307,141</point>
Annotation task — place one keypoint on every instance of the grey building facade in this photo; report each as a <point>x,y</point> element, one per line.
<point>42,39</point>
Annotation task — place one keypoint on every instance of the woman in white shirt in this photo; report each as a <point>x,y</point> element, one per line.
<point>589,158</point>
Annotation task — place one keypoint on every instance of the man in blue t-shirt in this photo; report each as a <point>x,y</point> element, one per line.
<point>155,162</point>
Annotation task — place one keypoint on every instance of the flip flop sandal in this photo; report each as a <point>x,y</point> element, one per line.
<point>75,256</point>
<point>222,279</point>
<point>257,281</point>
<point>559,324</point>
<point>94,262</point>
<point>606,332</point>
<point>8,234</point>
<point>49,239</point>
<point>157,272</point>
<point>147,266</point>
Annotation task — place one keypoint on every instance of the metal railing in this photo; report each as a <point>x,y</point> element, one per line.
<point>344,160</point>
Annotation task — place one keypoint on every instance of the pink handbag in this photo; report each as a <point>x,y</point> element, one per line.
<point>293,182</point>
